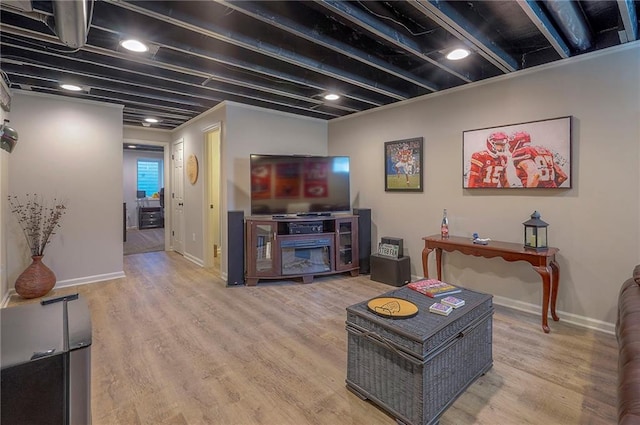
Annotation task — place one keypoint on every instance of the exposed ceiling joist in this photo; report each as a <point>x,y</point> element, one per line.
<point>266,49</point>
<point>257,12</point>
<point>376,27</point>
<point>629,17</point>
<point>286,55</point>
<point>542,22</point>
<point>460,27</point>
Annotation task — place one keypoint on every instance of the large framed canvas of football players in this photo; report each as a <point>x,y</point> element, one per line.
<point>535,154</point>
<point>403,165</point>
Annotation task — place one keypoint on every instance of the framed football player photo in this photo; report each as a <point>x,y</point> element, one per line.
<point>529,155</point>
<point>403,165</point>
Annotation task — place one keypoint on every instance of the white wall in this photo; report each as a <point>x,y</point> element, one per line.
<point>255,130</point>
<point>595,224</point>
<point>245,130</point>
<point>130,184</point>
<point>192,134</point>
<point>4,213</point>
<point>146,134</point>
<point>70,150</point>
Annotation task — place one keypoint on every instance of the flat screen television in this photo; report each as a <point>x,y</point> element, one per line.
<point>296,184</point>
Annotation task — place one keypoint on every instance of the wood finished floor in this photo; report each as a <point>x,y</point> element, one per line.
<point>145,240</point>
<point>173,345</point>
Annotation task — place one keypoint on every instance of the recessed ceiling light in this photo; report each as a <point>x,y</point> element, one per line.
<point>331,96</point>
<point>132,146</point>
<point>134,45</point>
<point>151,120</point>
<point>71,87</point>
<point>458,54</point>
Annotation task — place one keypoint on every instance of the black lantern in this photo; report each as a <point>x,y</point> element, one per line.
<point>535,233</point>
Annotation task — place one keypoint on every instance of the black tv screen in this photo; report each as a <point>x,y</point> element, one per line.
<point>293,184</point>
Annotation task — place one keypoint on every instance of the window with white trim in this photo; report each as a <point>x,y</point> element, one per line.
<point>150,176</point>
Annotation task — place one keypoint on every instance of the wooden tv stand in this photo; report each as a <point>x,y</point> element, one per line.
<point>283,247</point>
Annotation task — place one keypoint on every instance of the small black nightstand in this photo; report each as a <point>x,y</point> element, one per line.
<point>150,217</point>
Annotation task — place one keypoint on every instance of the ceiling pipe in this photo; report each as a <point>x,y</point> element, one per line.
<point>71,21</point>
<point>571,21</point>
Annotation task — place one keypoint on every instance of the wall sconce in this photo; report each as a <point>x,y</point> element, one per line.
<point>535,233</point>
<point>8,137</point>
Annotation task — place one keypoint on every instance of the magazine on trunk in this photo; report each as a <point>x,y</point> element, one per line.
<point>434,288</point>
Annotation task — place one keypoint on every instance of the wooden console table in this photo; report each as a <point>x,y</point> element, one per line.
<point>543,262</point>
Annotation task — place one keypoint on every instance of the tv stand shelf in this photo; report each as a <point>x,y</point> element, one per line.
<point>283,247</point>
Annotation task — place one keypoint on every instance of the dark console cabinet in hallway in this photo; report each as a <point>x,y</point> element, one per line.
<point>150,217</point>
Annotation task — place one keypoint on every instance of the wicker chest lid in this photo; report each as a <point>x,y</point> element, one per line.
<point>423,333</point>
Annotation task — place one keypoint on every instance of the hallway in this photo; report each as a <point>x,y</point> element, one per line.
<point>146,240</point>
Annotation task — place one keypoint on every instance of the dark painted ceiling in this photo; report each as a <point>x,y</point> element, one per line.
<point>285,55</point>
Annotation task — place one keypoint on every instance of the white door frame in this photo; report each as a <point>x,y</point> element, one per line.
<point>212,177</point>
<point>166,149</point>
<point>177,186</point>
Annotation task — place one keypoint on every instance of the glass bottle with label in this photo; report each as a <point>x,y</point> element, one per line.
<point>444,227</point>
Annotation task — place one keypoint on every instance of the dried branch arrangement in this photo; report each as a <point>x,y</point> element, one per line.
<point>38,219</point>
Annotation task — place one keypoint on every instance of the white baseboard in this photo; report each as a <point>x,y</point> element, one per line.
<point>574,319</point>
<point>582,321</point>
<point>193,259</point>
<point>5,299</point>
<point>72,282</point>
<point>89,279</point>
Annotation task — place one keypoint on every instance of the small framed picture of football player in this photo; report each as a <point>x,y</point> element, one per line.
<point>403,165</point>
<point>530,155</point>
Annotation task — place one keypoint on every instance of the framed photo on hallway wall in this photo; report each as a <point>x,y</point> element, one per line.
<point>403,165</point>
<point>529,155</point>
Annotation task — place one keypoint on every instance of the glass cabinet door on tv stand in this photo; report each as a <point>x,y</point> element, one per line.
<point>346,243</point>
<point>261,252</point>
<point>300,247</point>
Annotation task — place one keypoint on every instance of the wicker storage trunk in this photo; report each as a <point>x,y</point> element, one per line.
<point>415,368</point>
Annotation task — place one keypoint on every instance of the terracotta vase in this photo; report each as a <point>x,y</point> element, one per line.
<point>36,280</point>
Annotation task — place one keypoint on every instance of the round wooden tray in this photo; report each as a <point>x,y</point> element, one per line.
<point>392,307</point>
<point>192,169</point>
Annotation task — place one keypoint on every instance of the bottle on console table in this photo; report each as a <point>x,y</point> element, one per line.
<point>444,227</point>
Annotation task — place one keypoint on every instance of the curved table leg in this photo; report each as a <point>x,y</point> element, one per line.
<point>545,273</point>
<point>425,269</point>
<point>555,283</point>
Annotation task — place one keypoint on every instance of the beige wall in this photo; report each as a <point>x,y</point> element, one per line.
<point>192,135</point>
<point>4,212</point>
<point>130,184</point>
<point>244,130</point>
<point>595,224</point>
<point>70,150</point>
<point>146,134</point>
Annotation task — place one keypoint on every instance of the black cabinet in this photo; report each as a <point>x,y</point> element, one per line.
<point>150,217</point>
<point>45,358</point>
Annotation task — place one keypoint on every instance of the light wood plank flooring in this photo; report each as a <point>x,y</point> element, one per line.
<point>145,240</point>
<point>173,345</point>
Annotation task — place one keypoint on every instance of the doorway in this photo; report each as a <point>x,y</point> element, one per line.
<point>212,250</point>
<point>177,196</point>
<point>144,179</point>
